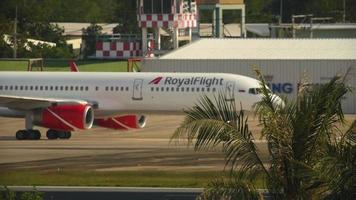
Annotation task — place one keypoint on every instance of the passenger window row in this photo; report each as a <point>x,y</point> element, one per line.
<point>107,88</point>
<point>59,88</point>
<point>182,89</point>
<point>117,88</point>
<point>45,88</point>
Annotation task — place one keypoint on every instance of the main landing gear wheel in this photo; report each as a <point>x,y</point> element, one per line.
<point>28,134</point>
<point>21,135</point>
<point>34,134</point>
<point>64,135</point>
<point>53,134</point>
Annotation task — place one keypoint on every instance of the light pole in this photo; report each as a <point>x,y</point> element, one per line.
<point>344,14</point>
<point>281,11</point>
<point>15,34</point>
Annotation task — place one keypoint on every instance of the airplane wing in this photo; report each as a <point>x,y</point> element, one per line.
<point>30,103</point>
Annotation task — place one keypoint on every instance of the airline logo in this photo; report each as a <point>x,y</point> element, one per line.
<point>198,80</point>
<point>156,80</point>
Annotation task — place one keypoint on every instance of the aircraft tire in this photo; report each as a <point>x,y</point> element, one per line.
<point>31,135</point>
<point>37,134</point>
<point>52,134</point>
<point>21,135</point>
<point>68,135</point>
<point>62,134</point>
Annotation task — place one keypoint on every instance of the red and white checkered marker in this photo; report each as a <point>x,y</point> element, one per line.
<point>167,20</point>
<point>118,50</point>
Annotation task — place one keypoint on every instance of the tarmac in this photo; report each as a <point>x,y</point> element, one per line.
<point>103,149</point>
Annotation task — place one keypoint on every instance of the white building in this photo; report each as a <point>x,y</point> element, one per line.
<point>282,61</point>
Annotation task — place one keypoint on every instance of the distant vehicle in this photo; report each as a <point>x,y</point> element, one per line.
<point>67,101</point>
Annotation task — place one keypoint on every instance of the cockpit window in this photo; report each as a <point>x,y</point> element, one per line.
<point>253,91</point>
<point>257,91</point>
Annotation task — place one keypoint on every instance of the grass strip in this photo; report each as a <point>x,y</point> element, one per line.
<point>62,65</point>
<point>118,178</point>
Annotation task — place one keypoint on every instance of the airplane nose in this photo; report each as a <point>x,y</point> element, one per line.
<point>277,101</point>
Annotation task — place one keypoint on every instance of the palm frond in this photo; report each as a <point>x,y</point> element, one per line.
<point>298,134</point>
<point>338,168</point>
<point>319,111</point>
<point>209,122</point>
<point>276,121</point>
<point>213,122</point>
<point>229,189</point>
<point>305,156</point>
<point>241,152</point>
<point>350,134</point>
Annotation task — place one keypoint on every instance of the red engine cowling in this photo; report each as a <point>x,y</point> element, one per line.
<point>65,117</point>
<point>124,122</point>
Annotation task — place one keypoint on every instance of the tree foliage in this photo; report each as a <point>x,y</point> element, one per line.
<point>229,188</point>
<point>34,16</point>
<point>93,11</point>
<point>89,37</point>
<point>124,11</point>
<point>307,157</point>
<point>266,11</point>
<point>320,8</point>
<point>126,16</point>
<point>34,23</point>
<point>7,194</point>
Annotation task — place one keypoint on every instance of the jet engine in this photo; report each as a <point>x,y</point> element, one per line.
<point>65,117</point>
<point>124,122</point>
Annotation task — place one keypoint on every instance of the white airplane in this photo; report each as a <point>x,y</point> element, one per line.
<point>65,101</point>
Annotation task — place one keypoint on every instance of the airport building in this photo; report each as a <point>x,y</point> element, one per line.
<point>283,61</point>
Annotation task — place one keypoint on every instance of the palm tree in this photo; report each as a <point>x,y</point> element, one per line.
<point>308,156</point>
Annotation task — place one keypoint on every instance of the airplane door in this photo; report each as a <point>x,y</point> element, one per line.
<point>229,91</point>
<point>137,89</point>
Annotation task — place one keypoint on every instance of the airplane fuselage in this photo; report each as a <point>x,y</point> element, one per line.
<point>118,93</point>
